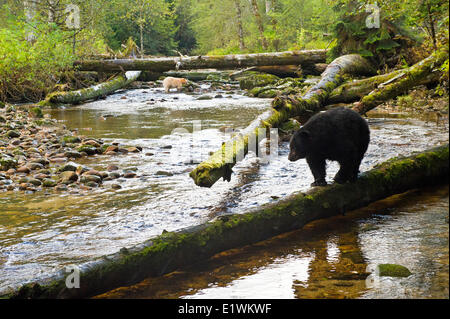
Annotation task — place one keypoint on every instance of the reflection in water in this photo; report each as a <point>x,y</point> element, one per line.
<point>327,258</point>
<point>42,232</point>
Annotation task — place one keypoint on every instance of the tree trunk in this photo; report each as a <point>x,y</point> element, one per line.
<point>259,24</point>
<point>239,22</point>
<point>403,81</point>
<point>141,27</point>
<point>204,62</point>
<point>174,250</point>
<point>76,97</point>
<point>432,26</point>
<point>220,164</point>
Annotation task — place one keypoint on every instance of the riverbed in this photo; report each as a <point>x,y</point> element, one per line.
<point>40,233</point>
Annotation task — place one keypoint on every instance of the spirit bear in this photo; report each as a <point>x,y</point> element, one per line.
<point>173,83</point>
<point>340,135</point>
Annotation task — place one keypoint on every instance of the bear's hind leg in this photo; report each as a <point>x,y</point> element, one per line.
<point>348,172</point>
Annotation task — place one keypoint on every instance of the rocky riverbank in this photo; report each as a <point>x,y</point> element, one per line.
<point>37,154</point>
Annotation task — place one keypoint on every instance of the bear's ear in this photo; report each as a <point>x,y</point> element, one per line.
<point>305,134</point>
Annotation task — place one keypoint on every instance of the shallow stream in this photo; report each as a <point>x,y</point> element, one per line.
<point>42,232</point>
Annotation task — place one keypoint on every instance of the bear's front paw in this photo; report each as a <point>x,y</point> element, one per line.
<point>319,183</point>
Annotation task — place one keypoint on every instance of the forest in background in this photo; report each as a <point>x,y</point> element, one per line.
<point>37,48</point>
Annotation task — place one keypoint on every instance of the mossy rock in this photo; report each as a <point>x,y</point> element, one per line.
<point>2,105</point>
<point>7,162</point>
<point>70,139</point>
<point>257,79</point>
<point>36,112</point>
<point>48,183</point>
<point>393,270</point>
<point>13,134</point>
<point>87,149</point>
<point>204,97</point>
<point>290,126</point>
<point>104,147</point>
<point>291,82</point>
<point>269,94</point>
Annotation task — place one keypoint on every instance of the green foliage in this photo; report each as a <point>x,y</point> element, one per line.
<point>354,34</point>
<point>29,67</point>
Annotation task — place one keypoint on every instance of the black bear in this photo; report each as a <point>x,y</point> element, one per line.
<point>340,135</point>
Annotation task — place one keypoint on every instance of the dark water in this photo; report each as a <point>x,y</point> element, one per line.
<point>41,233</point>
<point>328,258</point>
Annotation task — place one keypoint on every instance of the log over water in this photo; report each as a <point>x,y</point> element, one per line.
<point>419,73</point>
<point>173,250</point>
<point>205,62</point>
<point>93,92</point>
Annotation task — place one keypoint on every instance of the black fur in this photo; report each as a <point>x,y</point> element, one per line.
<point>340,135</point>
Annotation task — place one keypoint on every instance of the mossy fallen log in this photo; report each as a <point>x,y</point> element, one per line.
<point>205,62</point>
<point>93,92</point>
<point>356,90</point>
<point>173,250</point>
<point>419,73</point>
<point>220,164</point>
<point>304,106</point>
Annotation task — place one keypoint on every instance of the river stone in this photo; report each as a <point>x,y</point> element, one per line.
<point>164,173</point>
<point>112,168</point>
<point>41,176</point>
<point>48,183</point>
<point>133,150</point>
<point>58,159</point>
<point>129,175</point>
<point>12,134</point>
<point>204,97</point>
<point>23,169</point>
<point>92,184</point>
<point>89,150</point>
<point>114,175</point>
<point>35,182</point>
<point>69,167</point>
<point>90,178</point>
<point>35,166</point>
<point>61,188</point>
<point>68,177</point>
<point>393,270</point>
<point>93,172</point>
<point>92,143</point>
<point>70,139</point>
<point>112,148</point>
<point>41,161</point>
<point>73,154</point>
<point>7,162</point>
<point>116,186</point>
<point>15,141</point>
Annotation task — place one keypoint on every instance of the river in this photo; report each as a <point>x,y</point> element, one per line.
<point>42,232</point>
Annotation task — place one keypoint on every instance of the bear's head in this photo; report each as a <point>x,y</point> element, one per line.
<point>183,81</point>
<point>299,145</point>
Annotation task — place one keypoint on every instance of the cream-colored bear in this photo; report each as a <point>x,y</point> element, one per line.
<point>173,83</point>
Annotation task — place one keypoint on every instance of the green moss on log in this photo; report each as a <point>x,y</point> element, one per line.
<point>419,73</point>
<point>94,92</point>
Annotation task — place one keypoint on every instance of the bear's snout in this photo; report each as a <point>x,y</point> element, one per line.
<point>293,156</point>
